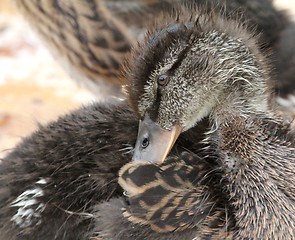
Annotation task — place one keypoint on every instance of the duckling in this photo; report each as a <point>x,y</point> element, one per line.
<point>50,181</point>
<point>92,38</point>
<point>198,66</point>
<point>53,183</point>
<point>268,128</point>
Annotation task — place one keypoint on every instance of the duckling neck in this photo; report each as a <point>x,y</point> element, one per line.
<point>259,170</point>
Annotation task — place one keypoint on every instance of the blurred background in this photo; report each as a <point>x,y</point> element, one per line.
<point>33,87</point>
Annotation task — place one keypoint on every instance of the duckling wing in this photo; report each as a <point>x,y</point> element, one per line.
<point>174,196</point>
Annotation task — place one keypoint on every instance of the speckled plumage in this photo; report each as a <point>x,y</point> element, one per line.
<point>258,161</point>
<point>216,70</point>
<point>185,50</point>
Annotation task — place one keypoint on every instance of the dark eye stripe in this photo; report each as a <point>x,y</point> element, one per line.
<point>180,57</point>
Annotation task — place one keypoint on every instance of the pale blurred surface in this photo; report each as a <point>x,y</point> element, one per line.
<point>33,88</point>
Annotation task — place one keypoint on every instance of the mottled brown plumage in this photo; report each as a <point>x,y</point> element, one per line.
<point>87,40</point>
<point>179,199</point>
<point>182,193</point>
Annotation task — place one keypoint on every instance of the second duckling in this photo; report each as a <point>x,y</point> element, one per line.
<point>200,65</point>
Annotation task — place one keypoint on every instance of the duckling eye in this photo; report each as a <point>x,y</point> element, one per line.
<point>145,142</point>
<point>163,79</point>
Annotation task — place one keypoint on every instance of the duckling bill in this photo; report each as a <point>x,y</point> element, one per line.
<point>154,143</point>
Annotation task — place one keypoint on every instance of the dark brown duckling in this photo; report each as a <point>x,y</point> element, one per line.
<point>203,66</point>
<point>52,183</point>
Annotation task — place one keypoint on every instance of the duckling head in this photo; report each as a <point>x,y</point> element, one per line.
<point>192,66</point>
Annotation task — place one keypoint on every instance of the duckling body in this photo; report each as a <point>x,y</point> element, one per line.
<point>54,184</point>
<point>259,163</point>
<point>51,181</point>
<point>181,196</point>
<point>211,67</point>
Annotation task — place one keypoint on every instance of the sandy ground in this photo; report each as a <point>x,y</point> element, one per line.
<point>33,88</point>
